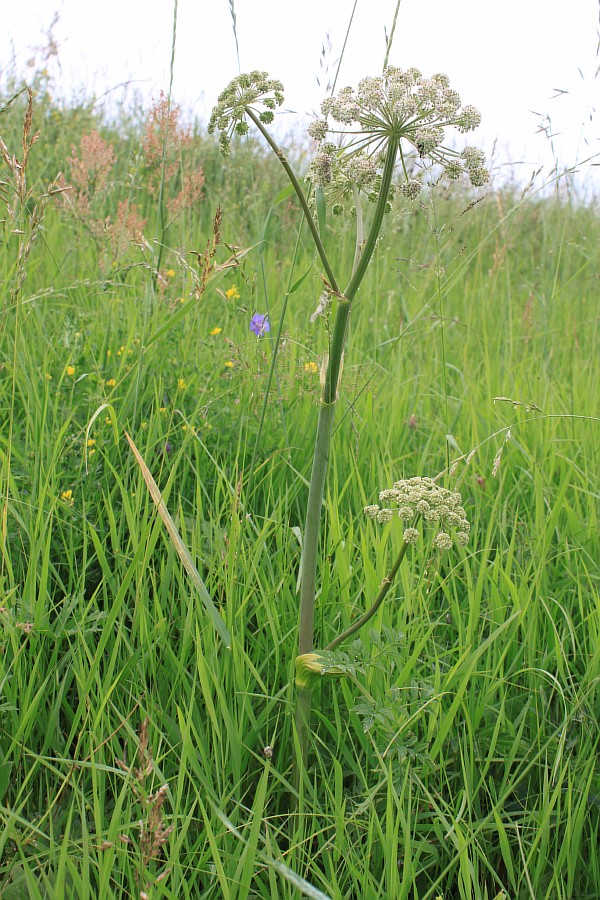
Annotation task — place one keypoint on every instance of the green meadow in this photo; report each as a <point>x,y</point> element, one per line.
<point>140,756</point>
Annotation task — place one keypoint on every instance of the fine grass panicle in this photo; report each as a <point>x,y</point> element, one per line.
<point>153,833</point>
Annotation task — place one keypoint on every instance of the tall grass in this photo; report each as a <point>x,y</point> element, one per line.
<point>460,758</point>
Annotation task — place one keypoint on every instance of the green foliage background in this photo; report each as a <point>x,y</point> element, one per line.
<point>460,759</point>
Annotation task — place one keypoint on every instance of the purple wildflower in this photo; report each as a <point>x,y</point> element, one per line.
<point>259,325</point>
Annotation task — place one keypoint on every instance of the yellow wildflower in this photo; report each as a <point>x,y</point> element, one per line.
<point>70,370</point>
<point>92,451</point>
<point>91,442</point>
<point>163,409</point>
<point>170,273</point>
<point>229,364</point>
<point>67,496</point>
<point>232,294</point>
<point>216,331</point>
<point>311,367</point>
<point>111,382</point>
<point>181,384</point>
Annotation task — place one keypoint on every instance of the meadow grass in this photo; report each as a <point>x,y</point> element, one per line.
<point>459,758</point>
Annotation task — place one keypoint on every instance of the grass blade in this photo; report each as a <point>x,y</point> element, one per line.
<point>180,547</point>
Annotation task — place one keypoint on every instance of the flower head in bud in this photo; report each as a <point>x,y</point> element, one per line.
<point>411,535</point>
<point>241,94</point>
<point>411,189</point>
<point>474,160</point>
<point>443,541</point>
<point>468,119</point>
<point>478,176</point>
<point>317,130</point>
<point>321,169</point>
<point>453,170</point>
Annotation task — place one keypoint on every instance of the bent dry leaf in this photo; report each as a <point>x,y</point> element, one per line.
<point>180,547</point>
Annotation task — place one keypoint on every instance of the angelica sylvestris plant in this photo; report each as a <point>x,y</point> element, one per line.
<point>368,141</point>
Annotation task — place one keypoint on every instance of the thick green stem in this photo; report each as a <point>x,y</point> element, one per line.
<point>312,529</point>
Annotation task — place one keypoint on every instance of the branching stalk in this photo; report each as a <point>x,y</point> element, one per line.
<point>384,588</point>
<point>322,445</point>
<point>301,197</point>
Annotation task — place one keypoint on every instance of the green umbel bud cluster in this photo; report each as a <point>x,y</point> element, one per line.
<point>245,91</point>
<point>423,499</point>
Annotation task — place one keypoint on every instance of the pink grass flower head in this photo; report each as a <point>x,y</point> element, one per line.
<point>259,324</point>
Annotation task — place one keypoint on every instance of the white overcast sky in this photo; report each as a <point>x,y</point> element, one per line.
<point>518,60</point>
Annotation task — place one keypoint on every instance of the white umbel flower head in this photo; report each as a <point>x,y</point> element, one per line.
<point>403,105</point>
<point>423,499</point>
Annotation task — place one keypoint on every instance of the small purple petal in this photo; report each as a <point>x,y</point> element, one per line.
<point>259,324</point>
